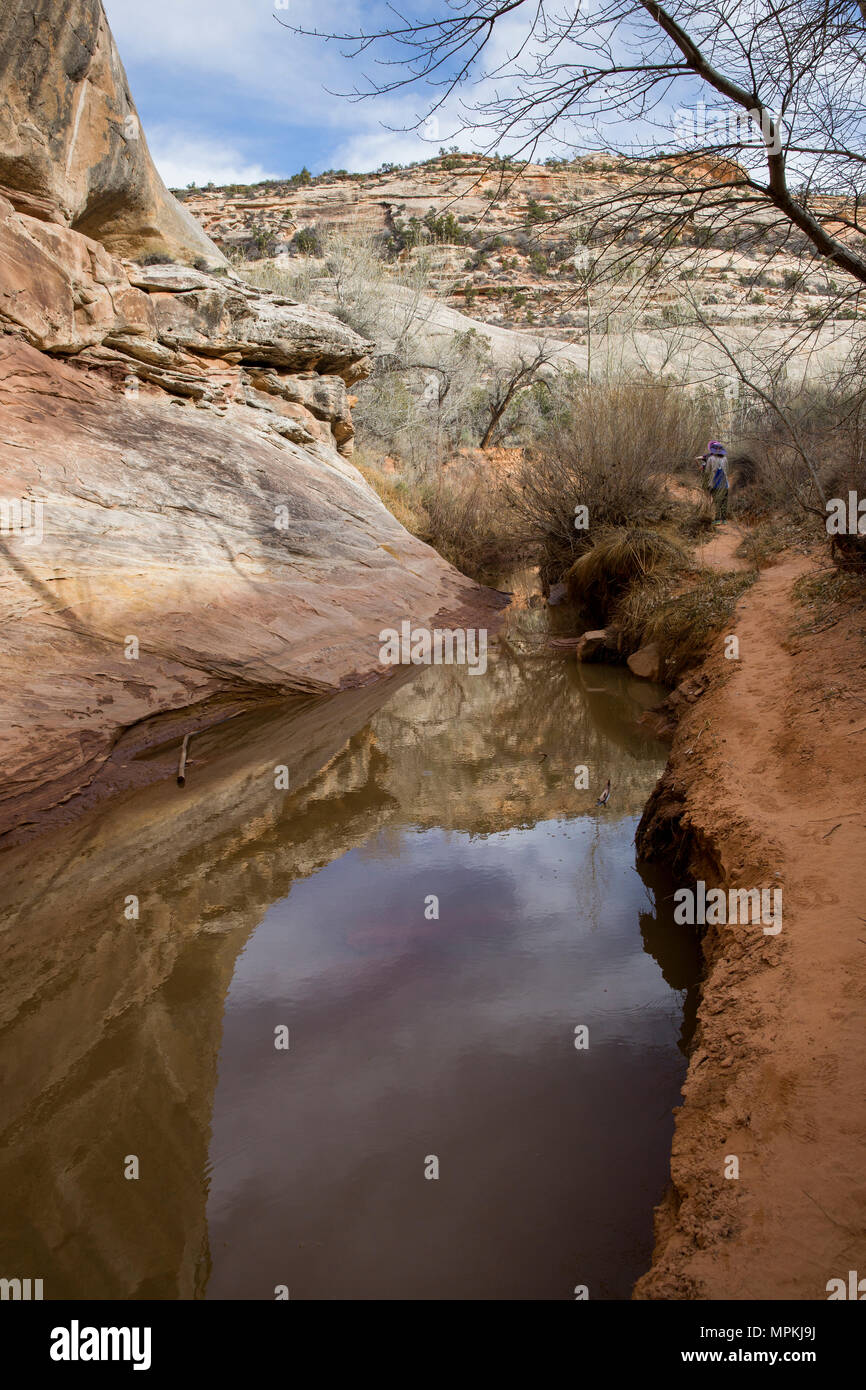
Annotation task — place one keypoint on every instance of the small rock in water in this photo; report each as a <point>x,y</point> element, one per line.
<point>646,662</point>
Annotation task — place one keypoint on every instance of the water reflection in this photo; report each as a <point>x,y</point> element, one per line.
<point>410,1036</point>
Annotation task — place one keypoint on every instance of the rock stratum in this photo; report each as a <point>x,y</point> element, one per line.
<point>505,245</point>
<point>182,532</point>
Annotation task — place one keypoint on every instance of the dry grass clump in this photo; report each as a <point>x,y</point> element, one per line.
<point>828,596</point>
<point>681,619</point>
<point>619,559</point>
<point>398,496</point>
<point>763,543</point>
<point>646,587</point>
<point>696,518</point>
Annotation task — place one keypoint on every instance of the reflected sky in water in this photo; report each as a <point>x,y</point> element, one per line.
<point>409,1037</point>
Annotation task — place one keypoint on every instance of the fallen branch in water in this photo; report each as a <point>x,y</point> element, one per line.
<point>181,767</point>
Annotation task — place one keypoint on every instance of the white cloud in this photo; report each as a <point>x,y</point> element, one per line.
<point>239,46</point>
<point>182,159</point>
<point>367,149</point>
<point>257,75</point>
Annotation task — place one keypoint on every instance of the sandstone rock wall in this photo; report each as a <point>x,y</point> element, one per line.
<point>181,529</point>
<point>72,150</point>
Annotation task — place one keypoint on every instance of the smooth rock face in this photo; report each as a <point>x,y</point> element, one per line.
<point>182,534</point>
<point>72,150</point>
<point>183,557</point>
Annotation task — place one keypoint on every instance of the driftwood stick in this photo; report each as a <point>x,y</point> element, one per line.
<point>181,767</point>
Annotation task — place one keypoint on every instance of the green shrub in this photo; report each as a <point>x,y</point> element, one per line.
<point>306,242</point>
<point>535,212</point>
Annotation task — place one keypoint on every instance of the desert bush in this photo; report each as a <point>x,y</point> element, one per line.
<point>306,242</point>
<point>347,275</point>
<point>696,518</point>
<point>806,445</point>
<point>470,523</point>
<point>295,278</point>
<point>464,516</point>
<point>605,447</point>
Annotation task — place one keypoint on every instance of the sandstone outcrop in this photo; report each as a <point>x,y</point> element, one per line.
<point>72,150</point>
<point>181,529</point>
<point>598,645</point>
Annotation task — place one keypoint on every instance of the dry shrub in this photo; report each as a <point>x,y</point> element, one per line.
<point>608,454</point>
<point>812,442</point>
<point>470,522</point>
<point>466,518</point>
<point>696,518</point>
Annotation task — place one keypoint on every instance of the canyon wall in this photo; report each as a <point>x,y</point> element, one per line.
<point>72,150</point>
<point>181,527</point>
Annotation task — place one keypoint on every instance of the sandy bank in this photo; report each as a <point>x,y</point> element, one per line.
<point>765,787</point>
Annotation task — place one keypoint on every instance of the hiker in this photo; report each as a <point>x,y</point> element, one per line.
<point>714,478</point>
<point>717,467</point>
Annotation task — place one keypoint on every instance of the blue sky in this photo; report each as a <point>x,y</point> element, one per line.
<point>225,93</point>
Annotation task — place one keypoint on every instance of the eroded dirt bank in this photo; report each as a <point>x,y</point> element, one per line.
<point>765,787</point>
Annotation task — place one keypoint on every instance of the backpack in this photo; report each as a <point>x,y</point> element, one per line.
<point>720,469</point>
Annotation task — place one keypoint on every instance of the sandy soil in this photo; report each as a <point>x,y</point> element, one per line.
<point>719,551</point>
<point>765,787</point>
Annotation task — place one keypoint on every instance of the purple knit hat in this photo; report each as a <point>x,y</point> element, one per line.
<point>714,447</point>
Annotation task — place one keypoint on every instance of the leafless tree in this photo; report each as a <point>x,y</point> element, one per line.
<point>632,76</point>
<point>507,382</point>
